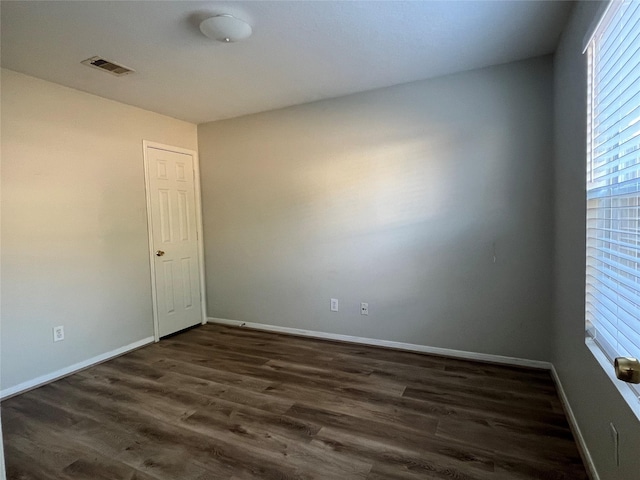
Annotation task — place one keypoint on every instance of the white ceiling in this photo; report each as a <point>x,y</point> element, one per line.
<point>300,51</point>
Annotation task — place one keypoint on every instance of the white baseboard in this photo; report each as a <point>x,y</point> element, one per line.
<point>50,377</point>
<point>584,451</point>
<point>483,357</point>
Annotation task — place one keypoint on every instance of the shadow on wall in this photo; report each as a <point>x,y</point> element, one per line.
<point>398,197</point>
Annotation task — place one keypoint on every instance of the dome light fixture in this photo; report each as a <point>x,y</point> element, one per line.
<point>225,28</point>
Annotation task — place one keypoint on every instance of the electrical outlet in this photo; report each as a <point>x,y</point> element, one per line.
<point>364,308</point>
<point>334,304</point>
<point>615,440</point>
<point>58,333</point>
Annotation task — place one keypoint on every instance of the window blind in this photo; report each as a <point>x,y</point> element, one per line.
<point>613,184</point>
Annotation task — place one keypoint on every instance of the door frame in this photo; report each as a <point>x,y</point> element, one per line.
<point>146,144</point>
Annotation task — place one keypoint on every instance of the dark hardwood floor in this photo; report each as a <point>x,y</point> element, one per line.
<point>230,403</point>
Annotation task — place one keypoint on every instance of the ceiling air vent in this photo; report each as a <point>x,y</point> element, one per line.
<point>107,66</point>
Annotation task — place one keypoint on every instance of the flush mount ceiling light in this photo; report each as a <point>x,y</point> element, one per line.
<point>225,28</point>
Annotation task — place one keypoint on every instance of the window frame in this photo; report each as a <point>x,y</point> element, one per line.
<point>602,352</point>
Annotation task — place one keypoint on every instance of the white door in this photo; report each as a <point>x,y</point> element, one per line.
<point>173,216</point>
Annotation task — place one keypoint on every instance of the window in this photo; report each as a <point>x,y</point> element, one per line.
<point>613,187</point>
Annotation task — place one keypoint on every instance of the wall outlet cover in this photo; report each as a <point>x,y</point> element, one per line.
<point>58,333</point>
<point>615,440</point>
<point>334,304</point>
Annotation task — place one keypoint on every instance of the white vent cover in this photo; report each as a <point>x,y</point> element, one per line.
<point>107,66</point>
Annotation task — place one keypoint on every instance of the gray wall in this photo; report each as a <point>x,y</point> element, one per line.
<point>592,395</point>
<point>393,197</point>
<point>74,226</point>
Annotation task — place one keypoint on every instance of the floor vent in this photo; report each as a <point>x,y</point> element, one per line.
<point>107,66</point>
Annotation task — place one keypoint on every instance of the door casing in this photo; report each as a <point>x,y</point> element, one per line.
<point>198,201</point>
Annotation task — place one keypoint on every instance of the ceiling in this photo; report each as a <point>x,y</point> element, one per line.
<point>300,51</point>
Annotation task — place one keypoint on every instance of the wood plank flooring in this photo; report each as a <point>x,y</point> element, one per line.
<point>235,404</point>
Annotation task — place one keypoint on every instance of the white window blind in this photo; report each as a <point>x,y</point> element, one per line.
<point>613,184</point>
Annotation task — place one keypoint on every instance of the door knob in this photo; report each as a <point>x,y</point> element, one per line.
<point>159,253</point>
<point>628,369</point>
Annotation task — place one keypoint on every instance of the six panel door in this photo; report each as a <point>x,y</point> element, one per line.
<point>175,241</point>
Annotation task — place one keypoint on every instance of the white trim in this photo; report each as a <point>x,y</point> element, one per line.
<point>411,347</point>
<point>198,200</point>
<point>573,423</point>
<point>200,229</point>
<point>63,372</point>
<point>152,263</point>
<point>597,21</point>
